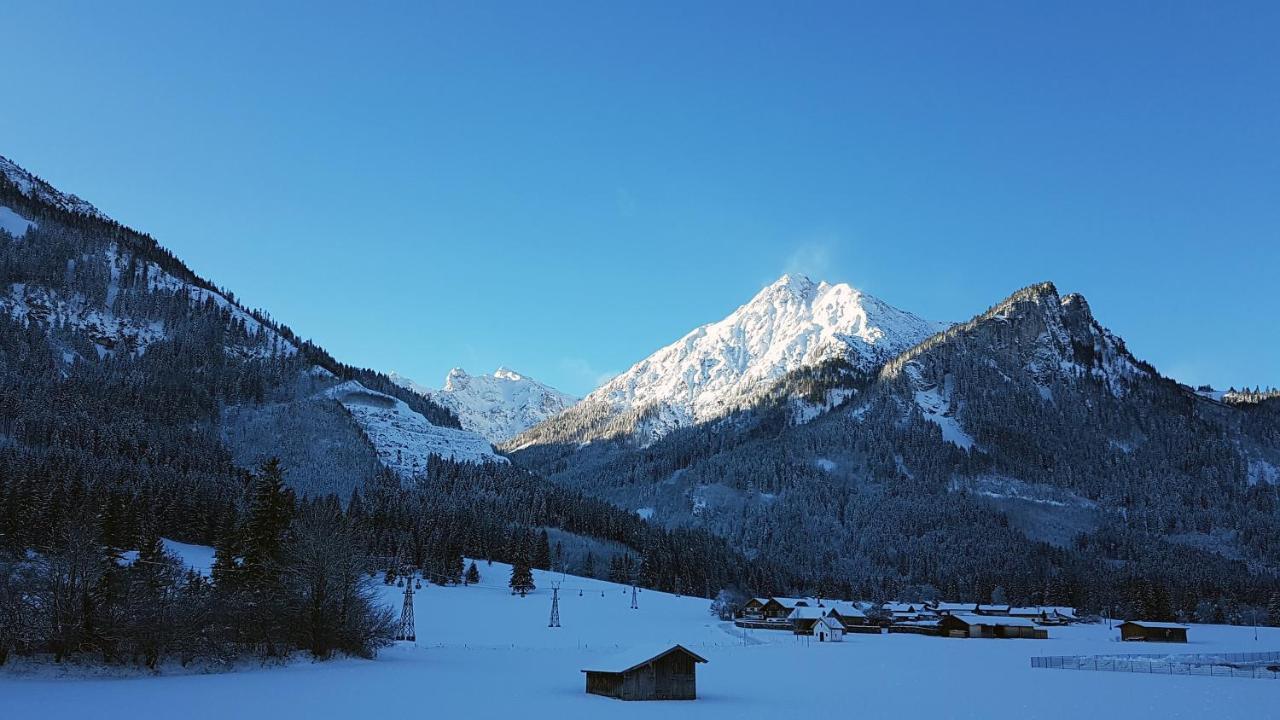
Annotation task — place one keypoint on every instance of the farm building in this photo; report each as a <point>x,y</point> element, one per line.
<point>1145,630</point>
<point>980,626</point>
<point>828,629</point>
<point>666,672</point>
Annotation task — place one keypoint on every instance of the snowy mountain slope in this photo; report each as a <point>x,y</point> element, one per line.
<point>13,223</point>
<point>792,324</point>
<point>404,439</point>
<point>41,191</point>
<point>498,406</point>
<point>110,272</point>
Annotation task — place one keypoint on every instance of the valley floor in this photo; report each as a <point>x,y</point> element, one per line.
<point>483,653</point>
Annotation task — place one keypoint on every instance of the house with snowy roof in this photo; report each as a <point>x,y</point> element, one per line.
<point>848,613</point>
<point>948,608</point>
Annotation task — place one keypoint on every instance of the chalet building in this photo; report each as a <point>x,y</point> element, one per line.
<point>828,629</point>
<point>778,608</point>
<point>982,626</point>
<point>1148,631</point>
<point>753,609</point>
<point>666,672</point>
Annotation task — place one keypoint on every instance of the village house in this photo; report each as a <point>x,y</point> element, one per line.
<point>665,672</point>
<point>753,609</point>
<point>1148,631</point>
<point>906,612</point>
<point>980,626</point>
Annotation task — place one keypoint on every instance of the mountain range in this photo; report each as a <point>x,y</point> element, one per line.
<point>816,439</point>
<point>498,406</point>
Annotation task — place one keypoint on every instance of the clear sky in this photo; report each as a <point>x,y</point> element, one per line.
<point>564,187</point>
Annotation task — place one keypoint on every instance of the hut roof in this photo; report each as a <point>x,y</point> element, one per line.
<point>640,655</point>
<point>1156,625</point>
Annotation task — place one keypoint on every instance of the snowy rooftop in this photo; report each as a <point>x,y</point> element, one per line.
<point>988,620</point>
<point>635,657</point>
<point>1157,625</point>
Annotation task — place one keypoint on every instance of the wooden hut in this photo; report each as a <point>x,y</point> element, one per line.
<point>666,672</point>
<point>1148,631</point>
<point>980,626</point>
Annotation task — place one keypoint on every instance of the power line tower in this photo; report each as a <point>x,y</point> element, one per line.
<point>634,605</point>
<point>407,630</point>
<point>555,606</point>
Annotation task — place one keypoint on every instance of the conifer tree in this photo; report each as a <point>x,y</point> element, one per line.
<point>473,574</point>
<point>542,552</point>
<point>521,579</point>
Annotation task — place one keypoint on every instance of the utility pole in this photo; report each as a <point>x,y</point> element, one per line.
<point>407,630</point>
<point>555,605</point>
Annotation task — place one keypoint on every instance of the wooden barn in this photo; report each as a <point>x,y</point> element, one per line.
<point>980,626</point>
<point>1145,630</point>
<point>666,672</point>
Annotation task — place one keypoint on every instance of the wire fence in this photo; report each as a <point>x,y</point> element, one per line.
<point>1258,665</point>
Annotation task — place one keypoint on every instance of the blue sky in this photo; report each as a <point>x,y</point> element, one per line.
<point>564,187</point>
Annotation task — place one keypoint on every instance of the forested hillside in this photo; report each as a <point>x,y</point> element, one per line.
<point>1025,449</point>
<point>139,401</point>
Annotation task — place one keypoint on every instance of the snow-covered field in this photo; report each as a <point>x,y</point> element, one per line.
<point>483,653</point>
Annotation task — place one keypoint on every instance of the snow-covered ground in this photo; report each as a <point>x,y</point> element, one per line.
<point>483,653</point>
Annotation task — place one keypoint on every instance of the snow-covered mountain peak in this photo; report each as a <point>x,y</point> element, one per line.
<point>504,373</point>
<point>498,406</point>
<point>790,324</point>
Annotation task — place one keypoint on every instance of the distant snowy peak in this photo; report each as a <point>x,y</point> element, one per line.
<point>37,189</point>
<point>791,324</point>
<point>498,406</point>
<point>403,438</point>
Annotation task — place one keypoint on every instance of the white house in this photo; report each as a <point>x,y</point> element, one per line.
<point>828,629</point>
